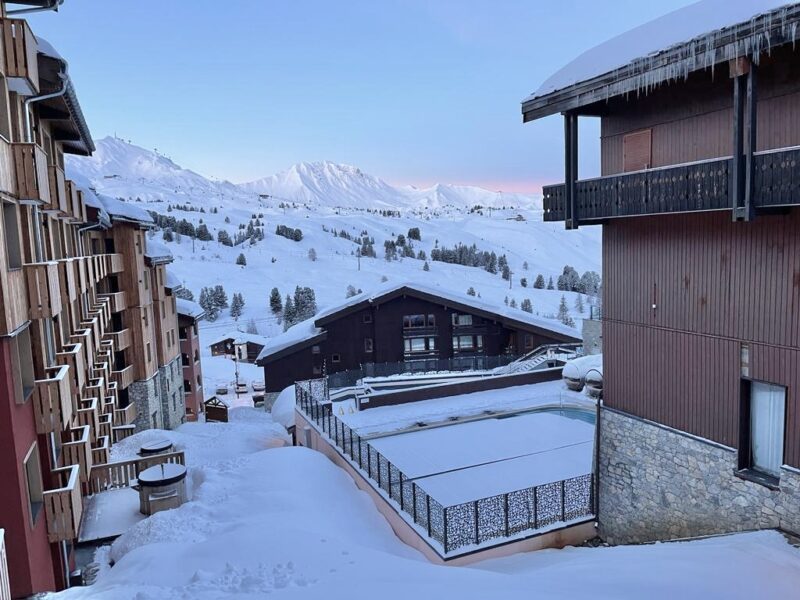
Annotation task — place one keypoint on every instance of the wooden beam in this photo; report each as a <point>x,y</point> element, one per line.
<point>738,167</point>
<point>571,170</point>
<point>750,147</point>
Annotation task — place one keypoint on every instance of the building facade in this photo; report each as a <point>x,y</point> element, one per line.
<point>700,209</point>
<point>189,315</point>
<point>406,323</point>
<point>84,353</point>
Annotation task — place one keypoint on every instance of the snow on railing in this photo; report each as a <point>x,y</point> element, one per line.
<point>460,527</point>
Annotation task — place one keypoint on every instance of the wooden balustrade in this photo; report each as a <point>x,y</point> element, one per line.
<point>92,324</point>
<point>76,449</point>
<point>118,301</point>
<point>101,450</point>
<point>122,339</point>
<point>115,263</point>
<point>121,474</point>
<point>69,285</point>
<point>81,215</point>
<point>5,585</point>
<point>95,388</point>
<point>126,415</point>
<point>120,432</point>
<point>106,424</point>
<point>89,414</point>
<point>52,400</point>
<point>44,292</point>
<point>63,506</point>
<point>20,49</point>
<point>84,339</point>
<point>74,200</point>
<point>58,190</point>
<point>72,355</point>
<point>13,302</point>
<point>124,377</point>
<point>30,169</point>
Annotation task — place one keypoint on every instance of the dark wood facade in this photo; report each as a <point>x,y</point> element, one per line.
<point>225,346</point>
<point>380,333</point>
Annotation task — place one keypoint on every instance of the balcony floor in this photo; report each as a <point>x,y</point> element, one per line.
<point>109,514</point>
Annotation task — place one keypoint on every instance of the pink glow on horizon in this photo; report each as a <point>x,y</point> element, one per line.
<point>519,187</point>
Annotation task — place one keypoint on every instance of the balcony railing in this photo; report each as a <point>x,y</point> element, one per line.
<point>121,339</point>
<point>58,190</point>
<point>77,450</point>
<point>120,432</point>
<point>89,414</point>
<point>122,474</point>
<point>118,301</point>
<point>72,355</point>
<point>74,202</point>
<point>21,62</point>
<point>69,285</point>
<point>115,263</point>
<point>64,505</point>
<point>52,400</point>
<point>692,187</point>
<point>44,292</point>
<point>125,416</point>
<point>123,377</point>
<point>106,425</point>
<point>101,450</point>
<point>30,166</point>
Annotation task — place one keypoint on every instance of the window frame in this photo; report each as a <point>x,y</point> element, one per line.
<point>369,345</point>
<point>746,468</point>
<point>37,490</point>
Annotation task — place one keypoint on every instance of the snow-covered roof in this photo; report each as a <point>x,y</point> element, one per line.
<point>694,32</point>
<point>46,48</point>
<point>92,200</point>
<point>188,308</point>
<point>157,252</point>
<point>121,210</point>
<point>577,368</point>
<point>173,282</point>
<point>310,328</point>
<point>241,337</point>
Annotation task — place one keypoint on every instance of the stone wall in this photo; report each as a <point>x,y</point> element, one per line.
<point>170,383</point>
<point>145,395</point>
<point>659,484</point>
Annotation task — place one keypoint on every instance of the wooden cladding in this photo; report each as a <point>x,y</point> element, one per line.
<point>124,377</point>
<point>30,168</point>
<point>58,190</point>
<point>52,401</point>
<point>76,449</point>
<point>125,416</point>
<point>44,292</point>
<point>64,506</point>
<point>637,150</point>
<point>20,50</point>
<point>682,295</point>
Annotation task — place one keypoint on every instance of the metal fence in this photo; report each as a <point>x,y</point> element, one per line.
<point>461,525</point>
<point>419,366</point>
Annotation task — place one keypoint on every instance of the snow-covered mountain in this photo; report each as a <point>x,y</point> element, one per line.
<point>335,207</point>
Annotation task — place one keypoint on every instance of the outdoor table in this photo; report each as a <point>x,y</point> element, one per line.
<point>162,487</point>
<point>161,446</point>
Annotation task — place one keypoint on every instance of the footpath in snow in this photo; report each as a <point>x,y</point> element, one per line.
<point>269,521</point>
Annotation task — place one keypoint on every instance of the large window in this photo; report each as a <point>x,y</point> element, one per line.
<point>22,365</point>
<point>11,230</point>
<point>461,320</point>
<point>419,321</point>
<point>33,481</point>
<point>419,344</point>
<point>763,426</point>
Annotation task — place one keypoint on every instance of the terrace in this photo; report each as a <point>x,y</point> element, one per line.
<point>472,479</point>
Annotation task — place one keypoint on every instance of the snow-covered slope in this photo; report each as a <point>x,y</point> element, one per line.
<point>150,181</point>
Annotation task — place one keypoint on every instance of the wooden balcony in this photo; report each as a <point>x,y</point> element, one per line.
<point>118,301</point>
<point>69,285</point>
<point>30,168</point>
<point>95,388</point>
<point>121,339</point>
<point>122,431</point>
<point>64,505</point>
<point>109,406</point>
<point>123,377</point>
<point>76,449</point>
<point>58,190</point>
<point>72,355</point>
<point>77,212</point>
<point>13,301</point>
<point>106,424</point>
<point>89,414</point>
<point>693,187</point>
<point>83,339</point>
<point>125,416</point>
<point>52,400</point>
<point>120,474</point>
<point>101,450</point>
<point>115,263</point>
<point>44,293</point>
<point>92,324</point>
<point>80,213</point>
<point>20,57</point>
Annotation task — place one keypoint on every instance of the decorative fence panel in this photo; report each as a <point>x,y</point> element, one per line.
<point>462,525</point>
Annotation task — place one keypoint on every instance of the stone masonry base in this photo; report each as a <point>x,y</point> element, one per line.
<point>659,484</point>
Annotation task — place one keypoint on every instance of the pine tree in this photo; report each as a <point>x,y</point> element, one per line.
<point>351,291</point>
<point>203,234</point>
<point>252,327</point>
<point>384,279</point>
<point>513,303</point>
<point>312,255</point>
<point>471,291</point>
<point>550,285</point>
<point>506,300</point>
<point>208,304</point>
<point>539,283</point>
<point>413,234</point>
<point>524,282</point>
<point>168,237</point>
<point>426,266</point>
<point>241,260</point>
<point>525,266</point>
<point>526,305</point>
<point>288,313</point>
<point>219,297</point>
<point>563,313</point>
<point>579,303</point>
<point>184,293</point>
<point>506,272</point>
<point>236,306</point>
<point>224,238</point>
<point>275,302</point>
<point>492,264</point>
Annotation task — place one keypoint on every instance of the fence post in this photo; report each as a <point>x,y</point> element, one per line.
<point>414,499</point>
<point>351,443</point>
<point>428,509</point>
<point>369,462</point>
<point>444,538</point>
<point>535,507</point>
<point>378,456</point>
<point>505,510</point>
<point>563,501</point>
<point>401,490</point>
<point>477,534</point>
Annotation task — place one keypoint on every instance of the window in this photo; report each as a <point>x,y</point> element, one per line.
<point>138,243</point>
<point>11,230</point>
<point>187,386</point>
<point>420,344</point>
<point>314,349</point>
<point>466,342</point>
<point>461,320</point>
<point>22,365</point>
<point>316,370</point>
<point>763,424</point>
<point>479,341</point>
<point>528,341</point>
<point>149,355</point>
<point>414,321</point>
<point>146,279</point>
<point>336,358</point>
<point>367,344</point>
<point>366,318</point>
<point>33,481</point>
<point>431,320</point>
<point>174,401</point>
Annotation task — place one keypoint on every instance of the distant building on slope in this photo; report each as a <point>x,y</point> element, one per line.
<point>423,326</point>
<point>700,208</point>
<point>189,314</point>
<point>224,345</point>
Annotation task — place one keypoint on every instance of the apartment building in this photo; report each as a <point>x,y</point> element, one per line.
<point>189,315</point>
<point>700,208</point>
<point>89,348</point>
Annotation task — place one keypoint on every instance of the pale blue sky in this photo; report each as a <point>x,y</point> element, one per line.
<point>408,90</point>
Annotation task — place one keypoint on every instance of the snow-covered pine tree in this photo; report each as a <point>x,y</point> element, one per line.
<point>275,302</point>
<point>579,303</point>
<point>220,298</point>
<point>224,238</point>
<point>241,260</point>
<point>167,235</point>
<point>351,291</point>
<point>524,282</point>
<point>236,306</point>
<point>525,266</point>
<point>184,293</point>
<point>550,285</point>
<point>563,313</point>
<point>539,283</point>
<point>526,305</point>
<point>513,303</point>
<point>506,272</point>
<point>289,315</point>
<point>470,291</point>
<point>426,266</point>
<point>312,255</point>
<point>251,327</point>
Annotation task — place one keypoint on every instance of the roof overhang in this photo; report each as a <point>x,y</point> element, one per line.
<point>749,38</point>
<point>289,350</point>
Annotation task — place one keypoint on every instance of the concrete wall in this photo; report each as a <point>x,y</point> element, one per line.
<point>592,336</point>
<point>145,395</point>
<point>659,484</point>
<point>173,408</point>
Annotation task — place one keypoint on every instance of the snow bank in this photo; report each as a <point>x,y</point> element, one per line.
<point>283,407</point>
<point>188,308</point>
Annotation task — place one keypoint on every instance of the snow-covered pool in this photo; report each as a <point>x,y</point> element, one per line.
<point>477,459</point>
